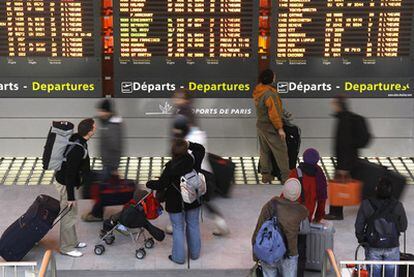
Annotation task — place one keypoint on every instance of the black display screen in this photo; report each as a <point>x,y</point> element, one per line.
<point>206,46</point>
<point>363,48</point>
<point>50,48</point>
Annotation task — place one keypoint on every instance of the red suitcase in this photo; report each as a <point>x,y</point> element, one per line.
<point>113,192</point>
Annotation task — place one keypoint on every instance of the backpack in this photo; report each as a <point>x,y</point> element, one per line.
<point>381,229</point>
<point>58,145</point>
<point>269,245</point>
<point>362,135</point>
<point>193,186</point>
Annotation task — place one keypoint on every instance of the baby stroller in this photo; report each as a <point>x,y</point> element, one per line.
<point>135,217</point>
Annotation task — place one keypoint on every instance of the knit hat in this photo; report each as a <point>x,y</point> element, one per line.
<point>105,105</point>
<point>311,156</point>
<point>292,189</point>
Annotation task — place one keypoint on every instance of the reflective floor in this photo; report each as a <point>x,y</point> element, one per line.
<point>28,170</point>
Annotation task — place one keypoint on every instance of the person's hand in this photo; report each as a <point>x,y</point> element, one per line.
<point>282,133</point>
<point>71,204</point>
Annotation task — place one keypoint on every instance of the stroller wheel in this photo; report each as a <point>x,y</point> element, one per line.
<point>149,243</point>
<point>140,254</point>
<point>99,249</point>
<point>109,240</point>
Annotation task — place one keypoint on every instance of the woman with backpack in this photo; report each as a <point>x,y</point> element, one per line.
<point>378,225</point>
<point>184,216</point>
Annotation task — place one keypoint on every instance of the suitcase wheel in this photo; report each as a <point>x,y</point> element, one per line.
<point>109,240</point>
<point>140,253</point>
<point>99,249</point>
<point>149,243</point>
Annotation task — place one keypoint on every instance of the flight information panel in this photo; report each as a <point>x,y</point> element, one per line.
<point>50,48</point>
<point>206,46</point>
<point>363,48</point>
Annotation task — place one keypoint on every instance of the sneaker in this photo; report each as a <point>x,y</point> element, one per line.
<point>171,259</point>
<point>169,229</point>
<point>267,178</point>
<point>89,217</point>
<point>73,254</point>
<point>81,245</point>
<point>221,227</point>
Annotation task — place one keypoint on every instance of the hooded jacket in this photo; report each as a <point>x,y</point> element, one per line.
<point>366,211</point>
<point>75,168</point>
<point>269,106</point>
<point>290,214</point>
<point>170,179</point>
<point>111,142</point>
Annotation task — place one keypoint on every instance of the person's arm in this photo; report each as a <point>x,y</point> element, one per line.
<point>360,223</point>
<point>402,218</point>
<point>274,111</point>
<point>73,164</point>
<point>198,152</point>
<point>163,182</point>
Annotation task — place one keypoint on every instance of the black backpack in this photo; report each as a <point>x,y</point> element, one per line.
<point>381,229</point>
<point>362,135</point>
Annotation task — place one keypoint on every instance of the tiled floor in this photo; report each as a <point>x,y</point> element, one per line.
<point>232,253</point>
<point>28,170</point>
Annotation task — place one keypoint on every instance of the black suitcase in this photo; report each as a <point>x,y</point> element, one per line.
<point>370,174</point>
<point>223,171</point>
<point>404,256</point>
<point>29,229</point>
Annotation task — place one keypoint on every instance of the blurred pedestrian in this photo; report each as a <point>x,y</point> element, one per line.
<point>111,148</point>
<point>272,137</point>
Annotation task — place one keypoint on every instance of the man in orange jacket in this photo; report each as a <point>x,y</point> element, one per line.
<point>272,138</point>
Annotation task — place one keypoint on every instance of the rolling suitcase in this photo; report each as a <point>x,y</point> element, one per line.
<point>404,256</point>
<point>20,237</point>
<point>113,192</point>
<point>223,171</point>
<point>320,238</point>
<point>370,174</point>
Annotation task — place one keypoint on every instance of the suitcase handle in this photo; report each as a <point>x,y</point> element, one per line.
<point>61,215</point>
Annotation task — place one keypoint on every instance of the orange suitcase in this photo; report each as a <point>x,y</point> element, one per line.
<point>344,193</point>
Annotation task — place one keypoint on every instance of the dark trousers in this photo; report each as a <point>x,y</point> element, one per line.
<point>336,211</point>
<point>302,255</point>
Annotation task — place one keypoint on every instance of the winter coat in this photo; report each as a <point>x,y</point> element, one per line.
<point>290,214</point>
<point>169,182</point>
<point>76,167</point>
<point>111,146</point>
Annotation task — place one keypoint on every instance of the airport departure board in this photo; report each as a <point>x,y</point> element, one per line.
<point>363,48</point>
<point>50,48</point>
<point>206,46</point>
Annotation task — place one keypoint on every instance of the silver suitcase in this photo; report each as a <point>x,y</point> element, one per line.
<point>320,238</point>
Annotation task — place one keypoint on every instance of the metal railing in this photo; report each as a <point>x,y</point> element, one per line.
<point>16,269</point>
<point>9,269</point>
<point>365,268</point>
<point>48,265</point>
<point>330,260</point>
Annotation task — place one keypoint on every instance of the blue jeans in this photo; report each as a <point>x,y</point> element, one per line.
<point>287,267</point>
<point>189,220</point>
<point>386,254</point>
